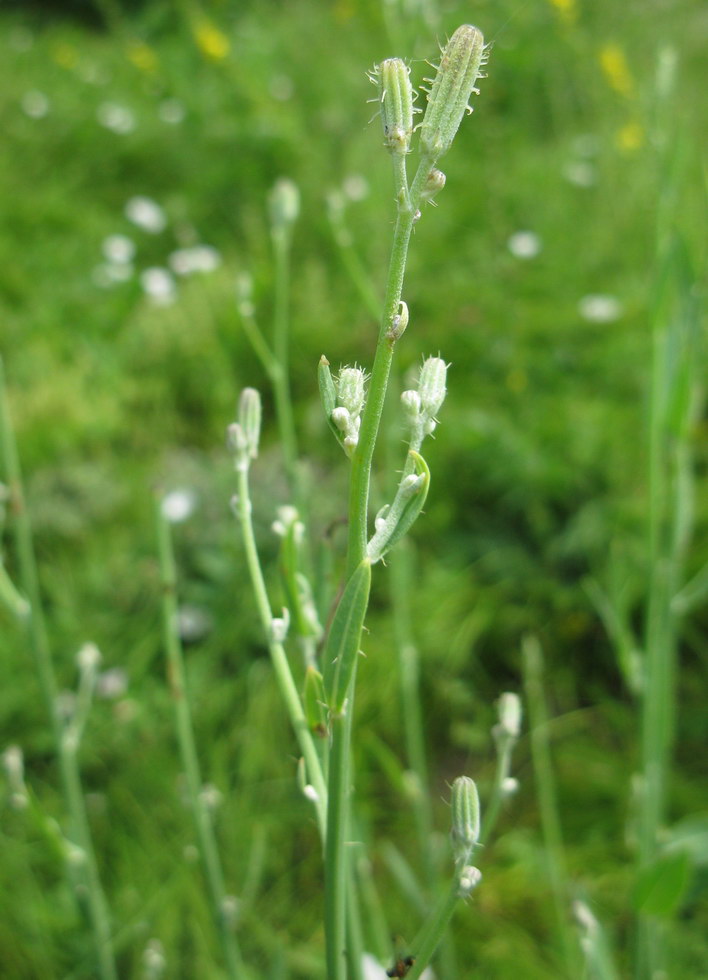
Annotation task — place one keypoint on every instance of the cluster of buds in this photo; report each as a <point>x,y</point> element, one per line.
<point>422,405</point>
<point>244,434</point>
<point>350,390</point>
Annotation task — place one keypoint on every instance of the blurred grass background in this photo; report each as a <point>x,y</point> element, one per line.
<point>535,277</point>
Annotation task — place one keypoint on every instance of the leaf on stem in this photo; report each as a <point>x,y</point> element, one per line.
<point>344,638</point>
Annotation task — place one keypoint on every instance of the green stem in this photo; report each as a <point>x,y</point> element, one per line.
<point>432,933</point>
<point>188,751</point>
<point>336,864</point>
<point>491,814</point>
<point>371,419</point>
<point>80,833</point>
<point>281,667</point>
<point>280,377</point>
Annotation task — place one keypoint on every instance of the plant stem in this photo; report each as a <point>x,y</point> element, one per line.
<point>280,371</point>
<point>80,833</point>
<point>336,864</point>
<point>188,751</point>
<point>362,459</point>
<point>281,667</point>
<point>430,936</point>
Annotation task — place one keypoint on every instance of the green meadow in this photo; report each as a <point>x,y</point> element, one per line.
<point>561,554</point>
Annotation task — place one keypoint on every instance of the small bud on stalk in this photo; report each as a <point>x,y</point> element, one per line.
<point>396,99</point>
<point>465,818</point>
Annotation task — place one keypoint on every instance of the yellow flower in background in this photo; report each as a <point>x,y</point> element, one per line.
<point>65,55</point>
<point>212,42</point>
<point>143,56</point>
<point>567,10</point>
<point>630,137</point>
<point>616,70</point>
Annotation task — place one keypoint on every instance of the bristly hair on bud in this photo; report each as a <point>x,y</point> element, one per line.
<point>448,99</point>
<point>464,831</point>
<point>392,78</point>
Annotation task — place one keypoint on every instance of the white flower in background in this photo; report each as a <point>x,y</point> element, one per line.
<point>198,258</point>
<point>154,960</point>
<point>118,249</point>
<point>524,244</point>
<point>146,214</point>
<point>159,285</point>
<point>88,658</point>
<point>581,173</point>
<point>178,505</point>
<point>171,111</point>
<point>35,104</point>
<point>600,308</point>
<point>112,683</point>
<point>118,118</point>
<point>193,623</point>
<point>355,187</point>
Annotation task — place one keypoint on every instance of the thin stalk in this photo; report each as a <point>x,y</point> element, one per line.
<point>281,667</point>
<point>491,814</point>
<point>280,375</point>
<point>80,833</point>
<point>188,751</point>
<point>360,480</point>
<point>547,796</point>
<point>336,864</point>
<point>430,936</point>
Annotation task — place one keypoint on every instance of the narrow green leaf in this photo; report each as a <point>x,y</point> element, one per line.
<point>328,395</point>
<point>403,513</point>
<point>313,702</point>
<point>344,638</point>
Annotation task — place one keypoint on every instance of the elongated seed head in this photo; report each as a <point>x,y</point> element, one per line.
<point>396,98</point>
<point>462,59</point>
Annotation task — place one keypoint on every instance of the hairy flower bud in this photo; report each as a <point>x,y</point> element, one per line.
<point>396,99</point>
<point>448,99</point>
<point>249,417</point>
<point>465,818</point>
<point>350,390</point>
<point>432,385</point>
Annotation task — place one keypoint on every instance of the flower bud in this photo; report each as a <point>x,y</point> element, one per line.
<point>411,405</point>
<point>434,183</point>
<point>396,99</point>
<point>350,390</point>
<point>431,385</point>
<point>283,204</point>
<point>469,879</point>
<point>509,708</point>
<point>448,98</point>
<point>465,818</point>
<point>249,417</point>
<point>399,322</point>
